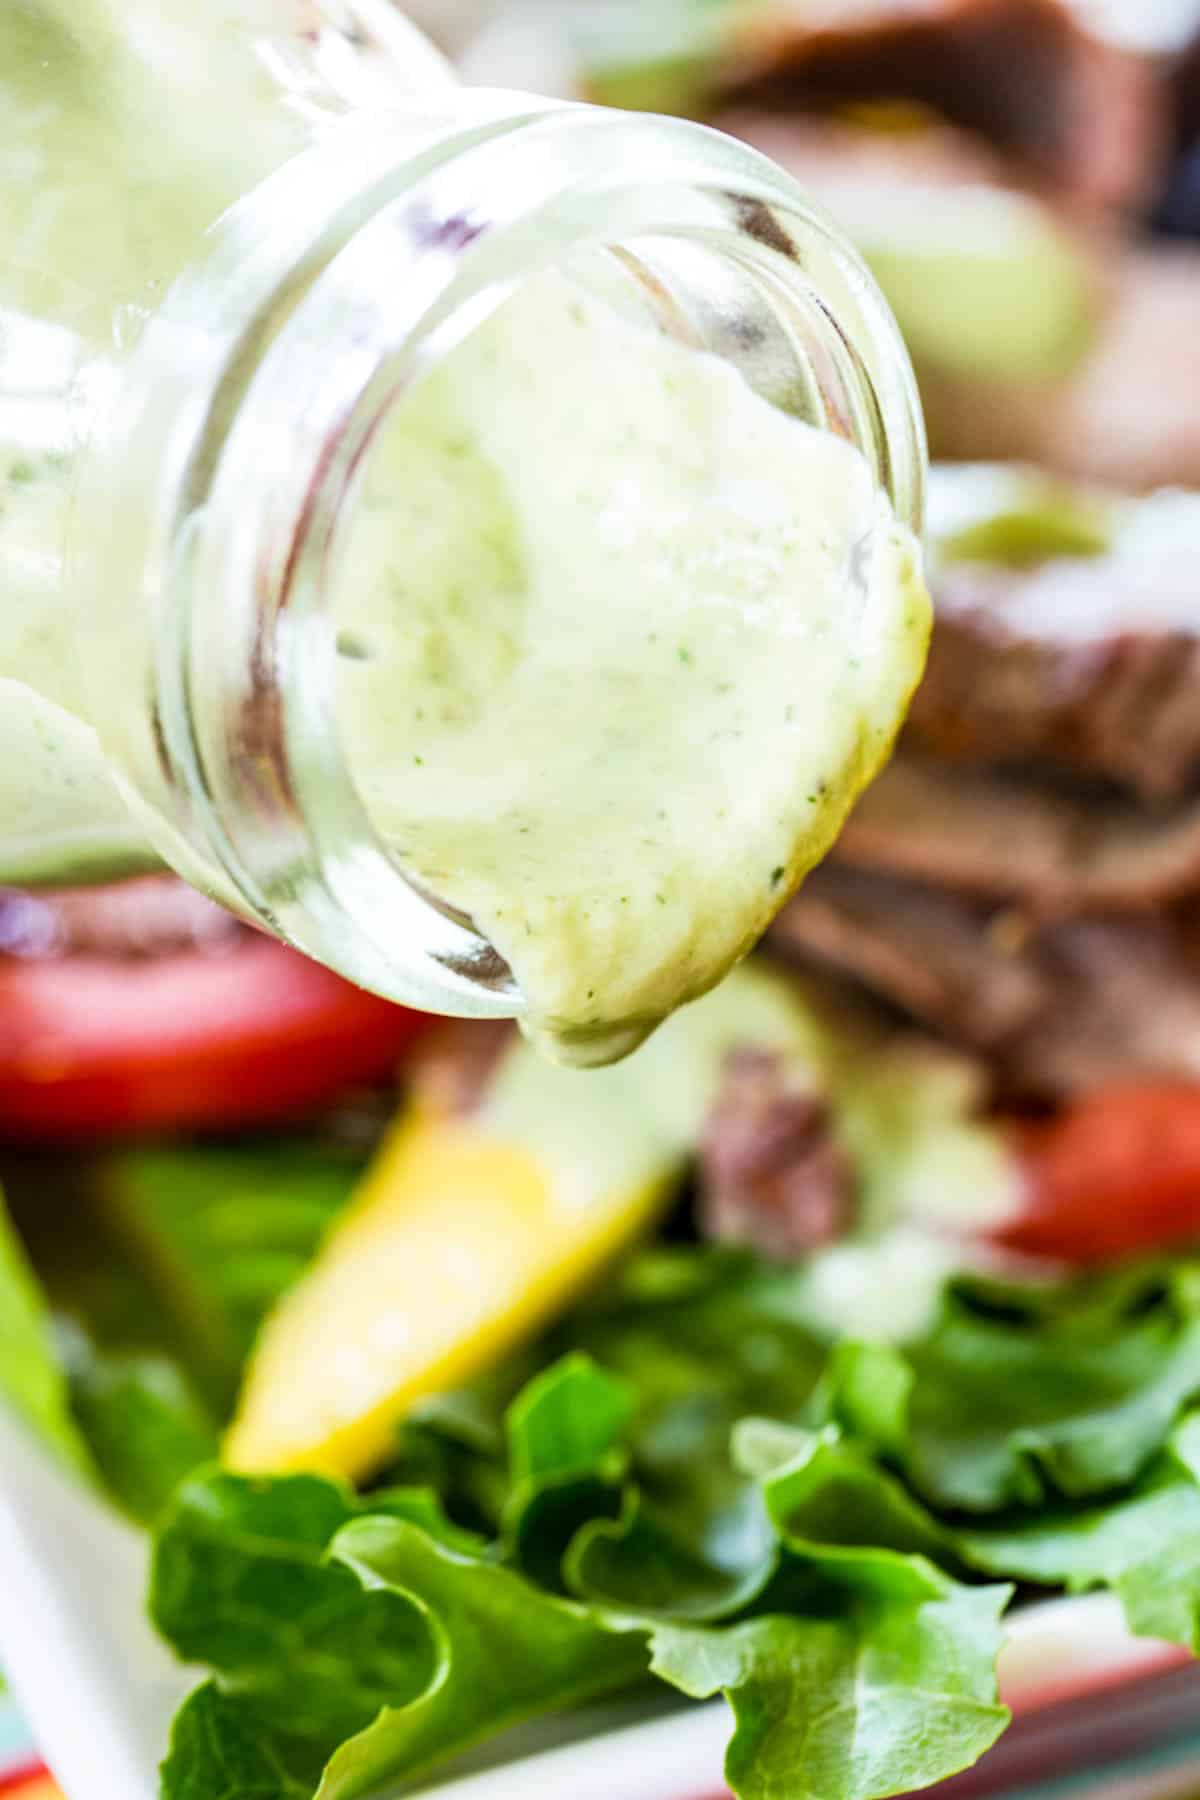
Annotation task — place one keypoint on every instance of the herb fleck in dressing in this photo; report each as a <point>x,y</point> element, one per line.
<point>620,644</point>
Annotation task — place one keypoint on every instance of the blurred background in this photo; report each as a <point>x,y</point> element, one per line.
<point>1023,175</point>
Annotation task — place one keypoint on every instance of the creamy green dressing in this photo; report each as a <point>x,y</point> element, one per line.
<point>110,172</point>
<point>620,643</point>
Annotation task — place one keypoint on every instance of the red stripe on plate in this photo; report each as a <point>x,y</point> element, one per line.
<point>30,1782</point>
<point>1155,1659</point>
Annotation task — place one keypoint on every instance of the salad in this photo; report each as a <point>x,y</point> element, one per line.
<point>716,1369</point>
<point>858,1309</point>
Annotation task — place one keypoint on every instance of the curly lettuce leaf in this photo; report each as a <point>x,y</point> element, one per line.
<point>883,1699</point>
<point>704,1338</point>
<point>508,1652</point>
<point>144,1426</point>
<point>153,1270</point>
<point>256,1579</point>
<point>128,1418</point>
<point>218,1234</point>
<point>361,1640</point>
<point>241,1581</point>
<point>1143,1543</point>
<point>568,1459</point>
<point>1018,1397</point>
<point>221,1751</point>
<point>685,1484</point>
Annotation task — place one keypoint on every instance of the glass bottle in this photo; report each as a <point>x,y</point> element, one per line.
<point>241,231</point>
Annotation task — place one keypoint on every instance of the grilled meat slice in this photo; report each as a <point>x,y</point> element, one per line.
<point>1058,1009</point>
<point>1028,76</point>
<point>1123,1004</point>
<point>929,953</point>
<point>1052,851</point>
<point>773,1175</point>
<point>1067,629</point>
<point>1069,663</point>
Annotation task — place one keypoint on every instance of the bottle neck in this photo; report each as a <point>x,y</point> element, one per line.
<point>219,495</point>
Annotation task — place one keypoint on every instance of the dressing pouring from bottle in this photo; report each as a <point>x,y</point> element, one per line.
<point>470,536</point>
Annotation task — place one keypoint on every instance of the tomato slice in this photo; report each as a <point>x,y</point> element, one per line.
<point>220,1032</point>
<point>1116,1175</point>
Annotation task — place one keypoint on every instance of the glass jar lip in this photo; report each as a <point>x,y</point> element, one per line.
<point>508,186</point>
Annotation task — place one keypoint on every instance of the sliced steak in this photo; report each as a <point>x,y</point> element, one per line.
<point>1026,75</point>
<point>1057,1010</point>
<point>1125,1005</point>
<point>773,1175</point>
<point>931,954</point>
<point>1053,852</point>
<point>1091,663</point>
<point>1068,628</point>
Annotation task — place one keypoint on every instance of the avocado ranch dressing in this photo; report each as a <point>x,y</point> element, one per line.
<point>618,640</point>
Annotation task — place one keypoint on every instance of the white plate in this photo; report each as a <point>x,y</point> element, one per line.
<point>99,1689</point>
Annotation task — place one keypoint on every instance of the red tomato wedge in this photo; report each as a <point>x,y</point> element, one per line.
<point>188,1036</point>
<point>1115,1175</point>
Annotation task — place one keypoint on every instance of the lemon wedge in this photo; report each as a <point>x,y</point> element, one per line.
<point>459,1244</point>
<point>470,1232</point>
